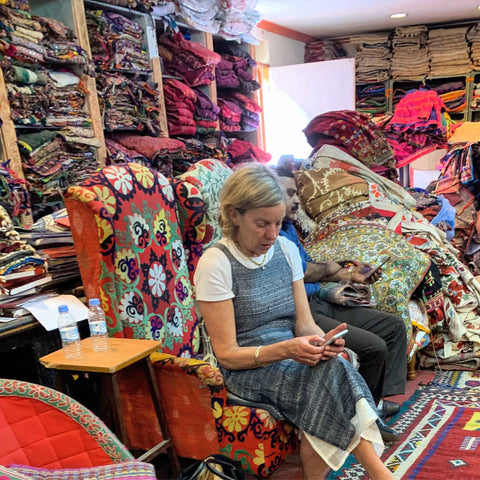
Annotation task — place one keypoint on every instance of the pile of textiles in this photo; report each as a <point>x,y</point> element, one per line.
<point>53,161</point>
<point>127,99</point>
<point>205,114</point>
<point>453,95</point>
<point>321,50</point>
<point>476,96</point>
<point>116,42</point>
<point>237,20</point>
<point>147,6</point>
<point>15,254</point>
<point>371,144</point>
<point>159,153</point>
<point>473,37</point>
<point>201,14</point>
<point>13,191</point>
<point>418,126</point>
<point>186,59</point>
<point>387,220</point>
<point>234,70</point>
<point>371,98</point>
<point>449,52</point>
<point>436,209</point>
<point>411,59</point>
<point>180,107</point>
<point>372,60</point>
<point>459,182</point>
<point>32,39</point>
<point>241,151</point>
<point>52,239</point>
<point>235,104</point>
<point>46,97</point>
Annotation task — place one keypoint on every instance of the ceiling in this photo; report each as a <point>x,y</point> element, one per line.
<point>336,18</point>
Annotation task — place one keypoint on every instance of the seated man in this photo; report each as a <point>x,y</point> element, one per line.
<point>378,338</point>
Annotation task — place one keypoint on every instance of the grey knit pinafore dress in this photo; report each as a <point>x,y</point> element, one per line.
<point>320,400</point>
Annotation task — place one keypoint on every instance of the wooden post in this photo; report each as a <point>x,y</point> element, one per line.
<point>157,78</point>
<point>78,12</point>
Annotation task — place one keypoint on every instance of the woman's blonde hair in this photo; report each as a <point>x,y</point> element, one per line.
<point>251,186</point>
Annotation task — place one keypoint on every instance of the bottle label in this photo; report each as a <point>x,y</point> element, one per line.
<point>98,328</point>
<point>69,334</point>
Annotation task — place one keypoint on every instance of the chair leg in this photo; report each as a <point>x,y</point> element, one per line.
<point>411,372</point>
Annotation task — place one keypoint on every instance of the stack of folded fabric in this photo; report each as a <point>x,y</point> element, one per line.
<point>230,115</point>
<point>249,119</point>
<point>453,95</point>
<point>180,107</point>
<point>372,60</point>
<point>205,114</point>
<point>52,161</point>
<point>417,126</point>
<point>160,152</point>
<point>119,154</point>
<point>371,99</point>
<point>147,6</point>
<point>128,101</point>
<point>241,151</point>
<point>476,96</point>
<point>321,50</point>
<point>473,37</point>
<point>449,53</point>
<point>186,59</point>
<point>14,196</point>
<point>237,20</point>
<point>234,71</point>
<point>411,59</point>
<point>201,14</point>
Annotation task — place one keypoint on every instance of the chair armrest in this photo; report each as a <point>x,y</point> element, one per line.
<point>206,373</point>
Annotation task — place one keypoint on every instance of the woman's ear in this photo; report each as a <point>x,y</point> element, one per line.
<point>233,214</point>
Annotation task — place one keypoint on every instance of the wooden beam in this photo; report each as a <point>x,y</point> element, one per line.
<point>78,11</point>
<point>285,32</point>
<point>158,80</point>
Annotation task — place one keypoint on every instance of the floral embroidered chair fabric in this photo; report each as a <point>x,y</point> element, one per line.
<point>124,223</point>
<point>208,176</point>
<point>44,431</point>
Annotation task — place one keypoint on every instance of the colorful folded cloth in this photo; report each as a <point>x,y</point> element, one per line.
<point>347,294</point>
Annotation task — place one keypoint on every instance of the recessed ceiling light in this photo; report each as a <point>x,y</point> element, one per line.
<point>400,15</point>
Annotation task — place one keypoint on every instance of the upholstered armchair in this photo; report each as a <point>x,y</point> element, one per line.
<point>125,225</point>
<point>46,434</point>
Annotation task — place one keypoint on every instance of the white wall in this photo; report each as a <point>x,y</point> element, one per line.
<point>277,50</point>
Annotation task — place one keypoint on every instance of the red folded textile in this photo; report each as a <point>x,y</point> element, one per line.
<point>148,146</point>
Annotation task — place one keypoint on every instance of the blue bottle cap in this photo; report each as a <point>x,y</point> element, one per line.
<point>94,302</point>
<point>63,308</point>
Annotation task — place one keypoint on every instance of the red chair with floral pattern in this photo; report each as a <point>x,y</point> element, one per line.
<point>125,225</point>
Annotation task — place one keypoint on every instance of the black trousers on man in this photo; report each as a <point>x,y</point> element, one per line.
<point>378,338</point>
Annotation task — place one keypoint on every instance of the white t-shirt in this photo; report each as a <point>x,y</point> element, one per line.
<point>213,275</point>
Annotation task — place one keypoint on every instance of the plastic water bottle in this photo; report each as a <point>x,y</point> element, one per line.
<point>67,326</point>
<point>98,326</point>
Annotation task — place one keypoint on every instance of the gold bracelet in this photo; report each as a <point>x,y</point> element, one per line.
<point>257,359</point>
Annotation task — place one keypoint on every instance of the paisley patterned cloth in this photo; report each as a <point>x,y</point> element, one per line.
<point>208,176</point>
<point>136,263</point>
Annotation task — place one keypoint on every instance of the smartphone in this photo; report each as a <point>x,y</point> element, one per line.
<point>371,272</point>
<point>335,337</point>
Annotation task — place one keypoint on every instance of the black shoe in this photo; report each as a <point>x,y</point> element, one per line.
<point>388,435</point>
<point>389,409</point>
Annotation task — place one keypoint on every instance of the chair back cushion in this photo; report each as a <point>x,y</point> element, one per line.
<point>208,176</point>
<point>131,255</point>
<point>44,428</point>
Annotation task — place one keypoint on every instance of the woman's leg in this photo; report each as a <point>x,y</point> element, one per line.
<point>314,468</point>
<point>367,456</point>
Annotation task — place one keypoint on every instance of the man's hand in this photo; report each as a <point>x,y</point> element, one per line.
<point>362,273</point>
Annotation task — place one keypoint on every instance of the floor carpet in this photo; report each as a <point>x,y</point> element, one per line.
<point>440,433</point>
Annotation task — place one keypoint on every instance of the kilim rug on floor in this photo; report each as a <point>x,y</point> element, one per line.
<point>439,428</point>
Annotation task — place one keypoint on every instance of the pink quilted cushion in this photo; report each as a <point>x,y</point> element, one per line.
<point>34,433</point>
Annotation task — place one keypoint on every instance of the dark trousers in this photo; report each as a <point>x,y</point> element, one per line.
<point>378,338</point>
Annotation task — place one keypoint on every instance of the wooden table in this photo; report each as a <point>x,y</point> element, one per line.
<point>122,352</point>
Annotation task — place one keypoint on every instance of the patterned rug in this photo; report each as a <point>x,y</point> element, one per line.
<point>439,429</point>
